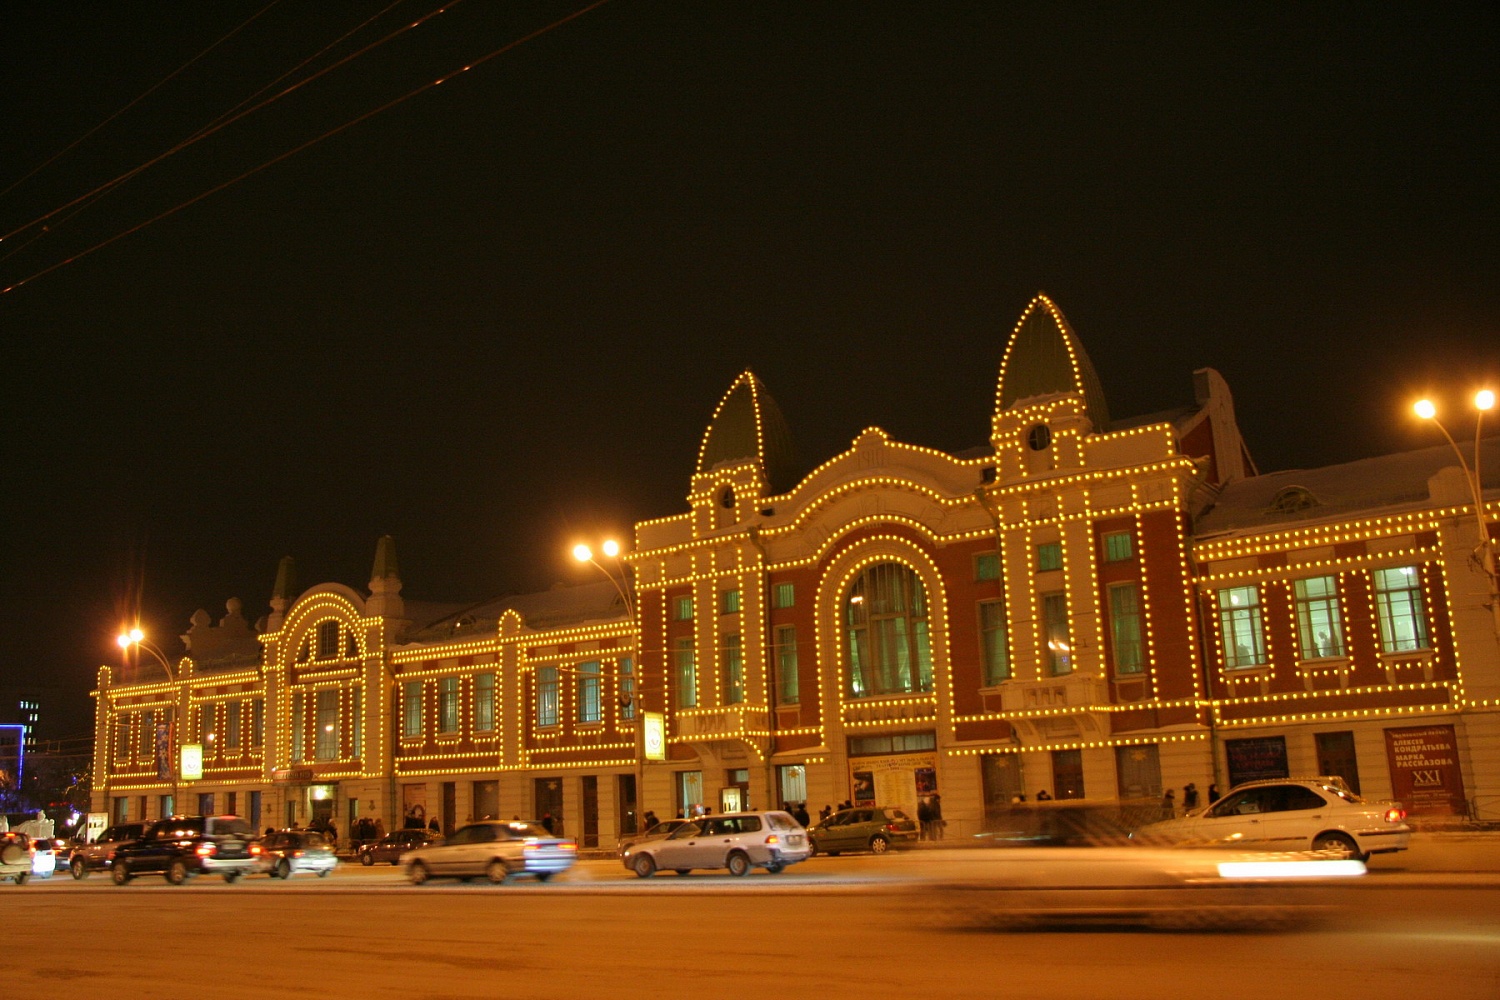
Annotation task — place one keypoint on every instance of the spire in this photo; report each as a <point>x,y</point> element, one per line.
<point>385,559</point>
<point>283,593</point>
<point>1043,358</point>
<point>748,426</point>
<point>385,582</point>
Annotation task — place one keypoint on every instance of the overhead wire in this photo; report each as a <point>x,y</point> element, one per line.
<point>311,142</point>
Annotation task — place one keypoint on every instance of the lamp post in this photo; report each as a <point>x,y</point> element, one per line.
<point>611,550</point>
<point>1485,555</point>
<point>135,637</point>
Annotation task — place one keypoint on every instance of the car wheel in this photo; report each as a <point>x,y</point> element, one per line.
<point>544,876</point>
<point>120,873</point>
<point>284,869</point>
<point>368,860</point>
<point>417,873</point>
<point>879,845</point>
<point>774,869</point>
<point>325,873</point>
<point>682,871</point>
<point>738,864</point>
<point>177,873</point>
<point>832,854</point>
<point>644,865</point>
<point>232,877</point>
<point>496,872</point>
<point>1339,844</point>
<point>79,869</point>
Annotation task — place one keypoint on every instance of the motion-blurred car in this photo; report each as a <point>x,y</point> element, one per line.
<point>17,857</point>
<point>181,847</point>
<point>297,852</point>
<point>493,849</point>
<point>1290,814</point>
<point>876,829</point>
<point>655,832</point>
<point>99,855</point>
<point>388,849</point>
<point>736,841</point>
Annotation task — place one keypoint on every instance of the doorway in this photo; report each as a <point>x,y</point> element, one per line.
<point>548,795</point>
<point>590,811</point>
<point>625,796</point>
<point>1336,757</point>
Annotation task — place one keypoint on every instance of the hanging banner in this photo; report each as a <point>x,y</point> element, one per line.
<point>1425,774</point>
<point>655,735</point>
<point>163,750</point>
<point>192,762</point>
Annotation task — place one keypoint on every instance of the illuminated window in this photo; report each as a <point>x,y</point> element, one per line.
<point>351,645</point>
<point>232,727</point>
<point>987,566</point>
<point>257,722</point>
<point>784,596</point>
<point>1118,546</point>
<point>1055,632</point>
<point>729,602</point>
<point>299,728</point>
<point>589,709</point>
<point>1403,621</point>
<point>546,697</point>
<point>788,684</point>
<point>734,671</point>
<point>1242,628</point>
<point>1048,556</point>
<point>356,721</point>
<point>1125,627</point>
<point>995,642</point>
<point>484,702</point>
<point>885,618</point>
<point>328,724</point>
<point>122,737</point>
<point>148,733</point>
<point>1320,626</point>
<point>328,640</point>
<point>627,688</point>
<point>682,609</point>
<point>687,673</point>
<point>411,700</point>
<point>448,704</point>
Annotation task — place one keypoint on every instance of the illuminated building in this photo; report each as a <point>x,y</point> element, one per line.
<point>1099,608</point>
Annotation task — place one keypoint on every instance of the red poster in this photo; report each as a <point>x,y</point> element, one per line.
<point>1424,770</point>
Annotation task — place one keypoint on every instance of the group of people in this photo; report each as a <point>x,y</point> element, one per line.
<point>930,817</point>
<point>1189,798</point>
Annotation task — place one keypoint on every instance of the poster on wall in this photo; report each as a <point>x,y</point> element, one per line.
<point>896,780</point>
<point>414,805</point>
<point>1256,759</point>
<point>1425,774</point>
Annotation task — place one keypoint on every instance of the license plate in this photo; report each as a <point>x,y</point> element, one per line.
<point>795,838</point>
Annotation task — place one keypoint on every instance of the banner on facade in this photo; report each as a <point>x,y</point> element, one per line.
<point>898,780</point>
<point>163,750</point>
<point>192,762</point>
<point>1256,759</point>
<point>1425,774</point>
<point>654,730</point>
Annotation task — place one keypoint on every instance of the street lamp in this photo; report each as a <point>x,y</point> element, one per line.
<point>1484,553</point>
<point>611,550</point>
<point>135,637</point>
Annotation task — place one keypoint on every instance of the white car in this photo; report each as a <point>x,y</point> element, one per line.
<point>1290,814</point>
<point>736,841</point>
<point>494,850</point>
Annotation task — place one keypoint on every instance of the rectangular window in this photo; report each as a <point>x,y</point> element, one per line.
<point>1055,628</point>
<point>1118,546</point>
<point>1398,598</point>
<point>447,704</point>
<point>546,697</point>
<point>232,727</point>
<point>257,722</point>
<point>682,609</point>
<point>356,722</point>
<point>1320,626</point>
<point>589,701</point>
<point>987,566</point>
<point>788,684</point>
<point>996,642</point>
<point>328,724</point>
<point>627,689</point>
<point>411,703</point>
<point>299,727</point>
<point>1125,627</point>
<point>328,640</point>
<point>687,673</point>
<point>784,595</point>
<point>734,671</point>
<point>1048,556</point>
<point>729,602</point>
<point>484,702</point>
<point>148,733</point>
<point>1241,627</point>
<point>1067,774</point>
<point>122,737</point>
<point>1139,770</point>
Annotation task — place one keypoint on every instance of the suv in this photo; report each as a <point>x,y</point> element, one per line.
<point>183,846</point>
<point>1291,814</point>
<point>736,841</point>
<point>17,856</point>
<point>99,855</point>
<point>876,829</point>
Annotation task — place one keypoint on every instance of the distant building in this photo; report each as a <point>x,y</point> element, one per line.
<point>1097,607</point>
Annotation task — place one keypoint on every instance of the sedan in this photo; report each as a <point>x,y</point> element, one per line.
<point>876,830</point>
<point>494,850</point>
<point>297,852</point>
<point>388,849</point>
<point>655,832</point>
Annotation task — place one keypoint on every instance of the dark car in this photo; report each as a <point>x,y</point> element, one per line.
<point>99,855</point>
<point>877,829</point>
<point>184,846</point>
<point>388,849</point>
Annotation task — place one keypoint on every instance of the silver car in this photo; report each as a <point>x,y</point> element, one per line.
<point>735,841</point>
<point>295,852</point>
<point>494,850</point>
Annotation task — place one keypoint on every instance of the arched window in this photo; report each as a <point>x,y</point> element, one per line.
<point>885,619</point>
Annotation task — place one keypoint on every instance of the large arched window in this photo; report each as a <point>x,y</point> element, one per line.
<point>885,619</point>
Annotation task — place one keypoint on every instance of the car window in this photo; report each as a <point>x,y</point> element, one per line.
<point>898,815</point>
<point>227,826</point>
<point>472,835</point>
<point>684,831</point>
<point>1239,804</point>
<point>313,839</point>
<point>781,821</point>
<point>1300,797</point>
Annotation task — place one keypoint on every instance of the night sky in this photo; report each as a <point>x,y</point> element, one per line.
<point>496,318</point>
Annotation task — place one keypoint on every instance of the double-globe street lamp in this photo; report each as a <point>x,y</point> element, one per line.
<point>1485,555</point>
<point>135,637</point>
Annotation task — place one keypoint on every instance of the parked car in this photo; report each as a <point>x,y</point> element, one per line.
<point>736,841</point>
<point>388,849</point>
<point>1290,814</point>
<point>184,846</point>
<point>876,829</point>
<point>99,855</point>
<point>494,849</point>
<point>655,832</point>
<point>297,852</point>
<point>16,857</point>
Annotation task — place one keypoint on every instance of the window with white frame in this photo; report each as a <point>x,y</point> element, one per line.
<point>627,689</point>
<point>448,704</point>
<point>995,642</point>
<point>686,665</point>
<point>987,566</point>
<point>1125,627</point>
<point>589,703</point>
<point>356,721</point>
<point>1403,619</point>
<point>328,724</point>
<point>299,727</point>
<point>328,640</point>
<point>1320,625</point>
<point>1055,633</point>
<point>484,702</point>
<point>546,697</point>
<point>1048,556</point>
<point>729,602</point>
<point>885,621</point>
<point>788,683</point>
<point>233,730</point>
<point>784,595</point>
<point>411,708</point>
<point>1241,627</point>
<point>682,609</point>
<point>734,670</point>
<point>1118,546</point>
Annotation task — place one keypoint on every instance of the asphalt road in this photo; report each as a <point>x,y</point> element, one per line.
<point>920,924</point>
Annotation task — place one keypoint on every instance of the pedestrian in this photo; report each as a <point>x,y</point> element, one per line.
<point>547,822</point>
<point>824,813</point>
<point>938,823</point>
<point>801,815</point>
<point>432,825</point>
<point>651,819</point>
<point>924,820</point>
<point>1041,796</point>
<point>1169,804</point>
<point>1213,793</point>
<point>1190,797</point>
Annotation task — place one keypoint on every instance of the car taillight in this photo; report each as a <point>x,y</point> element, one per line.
<point>254,849</point>
<point>1395,814</point>
<point>892,828</point>
<point>297,854</point>
<point>206,850</point>
<point>773,839</point>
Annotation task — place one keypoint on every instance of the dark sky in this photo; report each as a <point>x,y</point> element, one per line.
<point>497,317</point>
